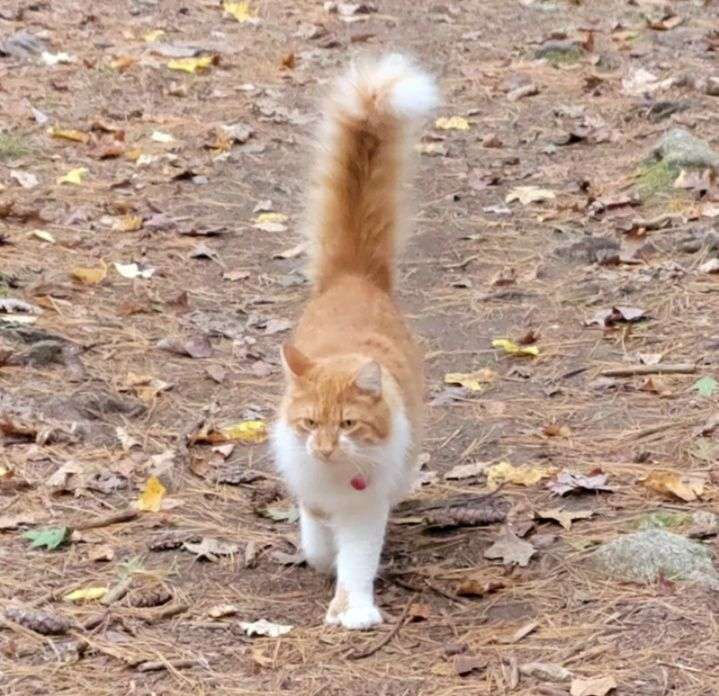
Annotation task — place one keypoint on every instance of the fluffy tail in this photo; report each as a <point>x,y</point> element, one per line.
<point>356,208</point>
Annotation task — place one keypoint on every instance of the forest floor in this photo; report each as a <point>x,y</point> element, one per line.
<point>162,274</point>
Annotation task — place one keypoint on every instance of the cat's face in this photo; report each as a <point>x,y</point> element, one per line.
<point>335,407</point>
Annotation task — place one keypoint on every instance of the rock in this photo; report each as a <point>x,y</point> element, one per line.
<point>679,148</point>
<point>704,524</point>
<point>645,556</point>
<point>564,50</point>
<point>589,250</point>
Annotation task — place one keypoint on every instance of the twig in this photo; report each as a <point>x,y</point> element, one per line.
<point>164,613</point>
<point>452,502</point>
<point>107,520</point>
<point>668,369</point>
<point>117,591</point>
<point>360,655</point>
<point>155,665</point>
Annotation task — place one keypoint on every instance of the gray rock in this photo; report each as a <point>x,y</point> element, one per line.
<point>679,148</point>
<point>644,556</point>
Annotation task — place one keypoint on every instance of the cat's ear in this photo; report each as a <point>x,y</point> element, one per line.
<point>369,379</point>
<point>294,361</point>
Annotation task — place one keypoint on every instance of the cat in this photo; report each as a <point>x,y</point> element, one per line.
<point>348,429</point>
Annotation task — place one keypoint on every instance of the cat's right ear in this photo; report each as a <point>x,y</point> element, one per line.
<point>294,362</point>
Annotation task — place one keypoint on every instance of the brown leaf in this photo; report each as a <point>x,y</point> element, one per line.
<point>556,430</point>
<point>596,686</point>
<point>196,347</point>
<point>565,517</point>
<point>568,482</point>
<point>419,612</point>
<point>211,548</point>
<point>510,548</point>
<point>41,622</point>
<point>465,664</point>
<point>619,314</point>
<point>687,487</point>
<point>477,587</point>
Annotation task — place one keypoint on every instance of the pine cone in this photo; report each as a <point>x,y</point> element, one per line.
<point>39,621</point>
<point>152,596</point>
<point>467,516</point>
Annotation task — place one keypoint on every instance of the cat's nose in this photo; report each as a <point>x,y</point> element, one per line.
<point>325,451</point>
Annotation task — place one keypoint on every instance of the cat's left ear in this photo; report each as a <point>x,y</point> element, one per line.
<point>295,362</point>
<point>369,379</point>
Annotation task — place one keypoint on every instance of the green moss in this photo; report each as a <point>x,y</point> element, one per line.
<point>557,58</point>
<point>12,146</point>
<point>655,178</point>
<point>664,520</point>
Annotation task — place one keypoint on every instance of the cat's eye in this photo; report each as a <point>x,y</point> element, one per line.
<point>348,423</point>
<point>309,423</point>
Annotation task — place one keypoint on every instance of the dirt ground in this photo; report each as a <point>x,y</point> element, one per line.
<point>93,403</point>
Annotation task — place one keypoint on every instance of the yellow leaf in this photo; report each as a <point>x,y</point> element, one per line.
<point>86,594</point>
<point>271,217</point>
<point>151,498</point>
<point>69,134</point>
<point>504,472</point>
<point>74,176</point>
<point>250,432</point>
<point>123,63</point>
<point>90,276</point>
<point>44,235</point>
<point>127,223</point>
<point>565,517</point>
<point>453,123</point>
<point>154,35</point>
<point>190,65</point>
<point>471,380</point>
<point>686,487</point>
<point>239,10</point>
<point>513,348</point>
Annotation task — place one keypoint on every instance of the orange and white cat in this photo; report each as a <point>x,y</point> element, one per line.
<point>347,435</point>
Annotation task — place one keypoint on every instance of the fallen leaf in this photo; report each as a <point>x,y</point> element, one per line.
<point>101,553</point>
<point>462,471</point>
<point>452,123</point>
<point>711,266</point>
<point>222,610</point>
<point>191,65</point>
<point>556,430</point>
<point>132,270</point>
<point>240,11</point>
<point>419,612</point>
<point>90,276</point>
<point>62,479</point>
<point>518,634</point>
<point>25,179</point>
<point>471,380</point>
<point>15,521</point>
<point>197,347</point>
<point>478,587</point>
<point>216,373</point>
<point>291,253</point>
<point>86,594</point>
<point>567,482</point>
<point>42,234</point>
<point>265,628</point>
<point>524,476</point>
<point>74,176</point>
<point>55,58</point>
<point>153,35</point>
<point>210,548</point>
<point>249,432</point>
<point>68,134</point>
<point>596,686</point>
<point>126,440</point>
<point>271,222</point>
<point>127,223</point>
<point>687,487</point>
<point>705,386</point>
<point>512,348</point>
<point>609,317</point>
<point>466,664</point>
<point>529,194</point>
<point>510,548</point>
<point>151,497</point>
<point>162,137</point>
<point>546,671</point>
<point>275,326</point>
<point>565,517</point>
<point>278,513</point>
<point>49,537</point>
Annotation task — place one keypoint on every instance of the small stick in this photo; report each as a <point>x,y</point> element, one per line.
<point>117,591</point>
<point>360,655</point>
<point>164,613</point>
<point>155,665</point>
<point>668,369</point>
<point>114,518</point>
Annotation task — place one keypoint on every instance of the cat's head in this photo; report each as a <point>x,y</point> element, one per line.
<point>335,406</point>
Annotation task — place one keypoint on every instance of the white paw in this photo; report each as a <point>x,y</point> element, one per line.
<point>356,618</point>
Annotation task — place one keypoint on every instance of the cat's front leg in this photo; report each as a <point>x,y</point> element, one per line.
<point>317,540</point>
<point>359,537</point>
